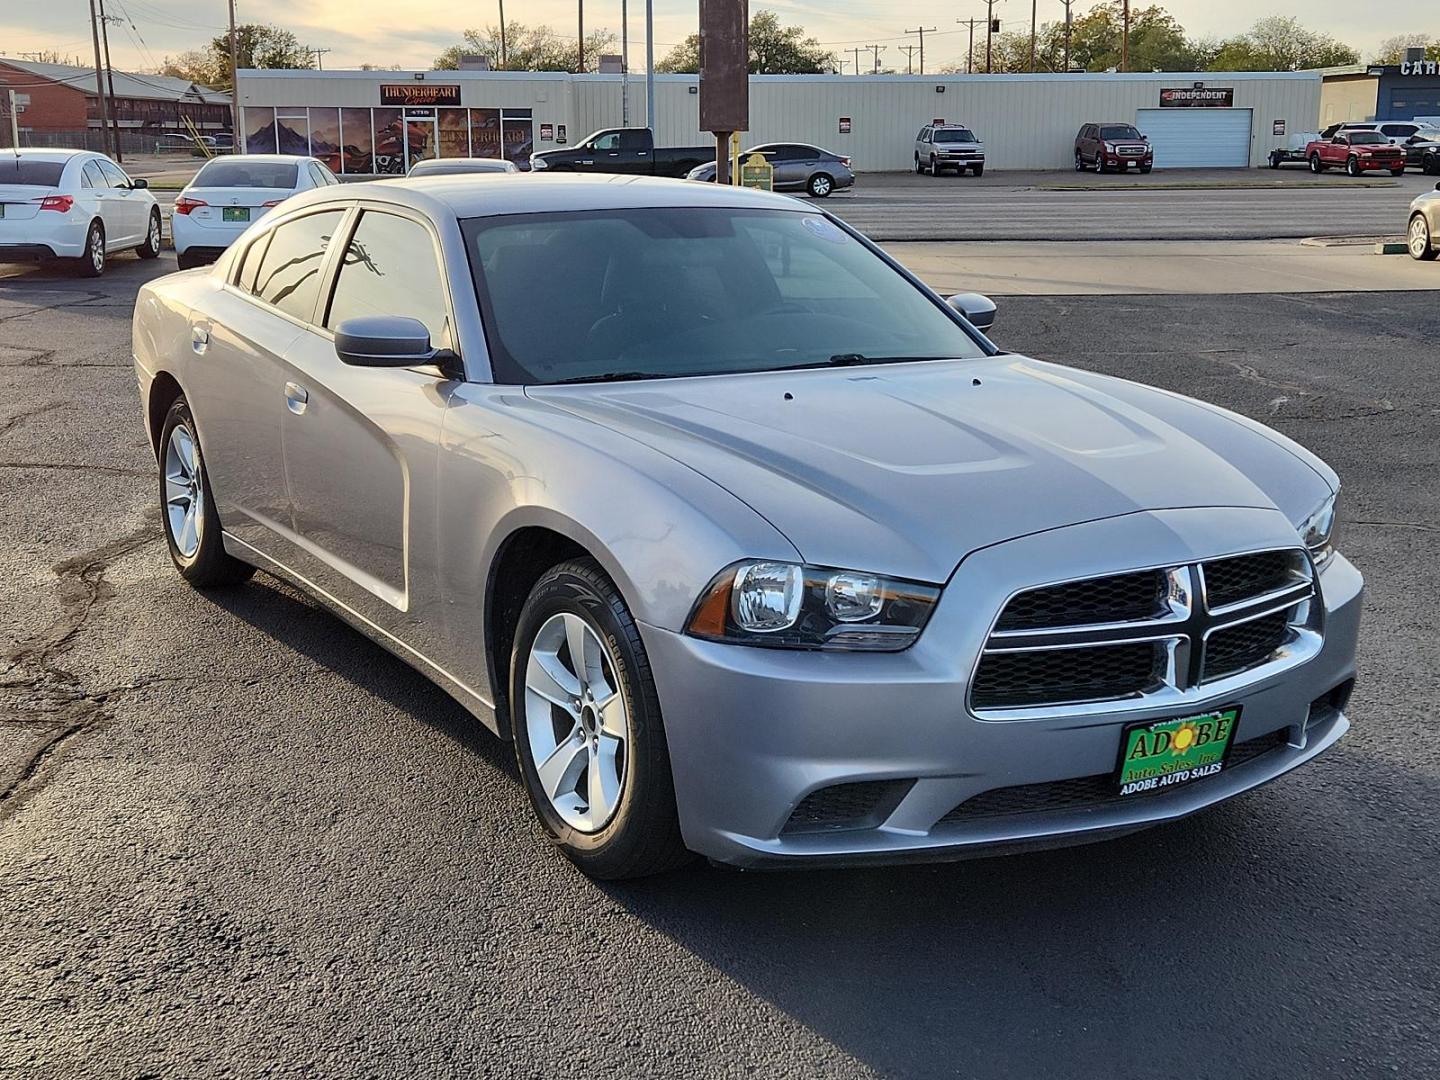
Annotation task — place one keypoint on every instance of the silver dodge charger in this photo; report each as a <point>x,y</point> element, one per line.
<point>753,546</point>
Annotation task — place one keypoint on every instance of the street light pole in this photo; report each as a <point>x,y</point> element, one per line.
<point>580,39</point>
<point>504,52</point>
<point>625,63</point>
<point>234,85</point>
<point>650,64</point>
<point>1125,42</point>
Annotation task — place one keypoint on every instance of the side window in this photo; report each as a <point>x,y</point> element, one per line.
<point>92,177</point>
<point>329,177</point>
<point>289,273</point>
<point>609,141</point>
<point>791,153</point>
<point>633,140</point>
<point>390,268</point>
<point>316,176</point>
<point>113,176</point>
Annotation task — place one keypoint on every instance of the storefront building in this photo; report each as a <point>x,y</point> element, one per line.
<point>1408,90</point>
<point>378,123</point>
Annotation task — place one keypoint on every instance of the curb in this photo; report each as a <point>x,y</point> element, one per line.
<point>1392,249</point>
<point>1357,241</point>
<point>1214,185</point>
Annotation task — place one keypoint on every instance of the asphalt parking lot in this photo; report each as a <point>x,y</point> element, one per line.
<point>237,839</point>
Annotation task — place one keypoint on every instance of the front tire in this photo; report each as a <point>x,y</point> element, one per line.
<point>1352,167</point>
<point>1316,165</point>
<point>187,507</point>
<point>1419,241</point>
<point>1145,169</point>
<point>92,263</point>
<point>820,186</point>
<point>1431,165</point>
<point>934,166</point>
<point>1398,172</point>
<point>977,170</point>
<point>589,739</point>
<point>150,249</point>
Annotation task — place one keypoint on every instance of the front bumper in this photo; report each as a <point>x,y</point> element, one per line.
<point>753,732</point>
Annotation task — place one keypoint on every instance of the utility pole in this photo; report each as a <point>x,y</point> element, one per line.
<point>1125,41</point>
<point>110,78</point>
<point>580,39</point>
<point>1068,22</point>
<point>650,64</point>
<point>909,51</point>
<point>99,80</point>
<point>14,111</point>
<point>1034,15</point>
<point>990,35</point>
<point>625,63</point>
<point>877,50</point>
<point>234,83</point>
<point>504,53</point>
<point>319,55</point>
<point>970,63</point>
<point>922,31</point>
<point>857,60</point>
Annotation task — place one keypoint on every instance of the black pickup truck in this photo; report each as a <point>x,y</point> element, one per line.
<point>623,150</point>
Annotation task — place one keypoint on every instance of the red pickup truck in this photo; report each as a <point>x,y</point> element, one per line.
<point>1356,152</point>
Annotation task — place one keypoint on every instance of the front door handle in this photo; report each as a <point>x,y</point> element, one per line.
<point>199,339</point>
<point>296,398</point>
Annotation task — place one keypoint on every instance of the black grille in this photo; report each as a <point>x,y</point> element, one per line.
<point>1228,581</point>
<point>1060,676</point>
<point>846,806</point>
<point>1121,598</point>
<point>1086,791</point>
<point>1237,648</point>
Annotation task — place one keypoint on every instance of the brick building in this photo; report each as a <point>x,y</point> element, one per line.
<point>64,109</point>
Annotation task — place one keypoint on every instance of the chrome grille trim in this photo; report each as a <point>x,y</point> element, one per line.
<point>1184,631</point>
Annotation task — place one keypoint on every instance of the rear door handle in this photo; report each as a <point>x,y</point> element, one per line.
<point>296,398</point>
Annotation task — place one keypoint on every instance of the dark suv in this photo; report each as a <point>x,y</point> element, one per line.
<point>1112,146</point>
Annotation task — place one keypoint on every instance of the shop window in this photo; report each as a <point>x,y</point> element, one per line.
<point>485,133</point>
<point>358,155</point>
<point>518,131</point>
<point>292,130</point>
<point>325,136</point>
<point>389,142</point>
<point>454,133</point>
<point>259,130</point>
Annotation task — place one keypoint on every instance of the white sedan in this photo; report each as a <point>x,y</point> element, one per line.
<point>231,192</point>
<point>76,205</point>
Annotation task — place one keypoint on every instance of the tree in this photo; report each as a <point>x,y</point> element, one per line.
<point>1280,43</point>
<point>775,49</point>
<point>258,45</point>
<point>1392,50</point>
<point>1157,40</point>
<point>528,48</point>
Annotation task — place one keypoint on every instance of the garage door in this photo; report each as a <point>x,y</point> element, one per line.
<point>1198,138</point>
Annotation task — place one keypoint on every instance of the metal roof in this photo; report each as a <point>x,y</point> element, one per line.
<point>127,85</point>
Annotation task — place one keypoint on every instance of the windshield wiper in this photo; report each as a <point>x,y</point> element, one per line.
<point>612,376</point>
<point>850,359</point>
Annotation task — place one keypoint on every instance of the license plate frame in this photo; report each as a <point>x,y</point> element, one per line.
<point>1141,768</point>
<point>235,213</point>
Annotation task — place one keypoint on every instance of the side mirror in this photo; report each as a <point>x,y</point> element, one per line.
<point>979,310</point>
<point>384,341</point>
<point>140,183</point>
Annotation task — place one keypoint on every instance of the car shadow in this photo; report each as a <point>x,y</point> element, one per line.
<point>1222,945</point>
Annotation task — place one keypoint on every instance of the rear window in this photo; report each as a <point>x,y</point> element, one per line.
<point>247,174</point>
<point>954,135</point>
<point>23,170</point>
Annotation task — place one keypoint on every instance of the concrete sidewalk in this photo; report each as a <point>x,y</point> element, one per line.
<point>1137,268</point>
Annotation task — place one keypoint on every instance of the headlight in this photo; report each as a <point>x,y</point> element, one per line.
<point>1318,531</point>
<point>782,605</point>
<point>536,164</point>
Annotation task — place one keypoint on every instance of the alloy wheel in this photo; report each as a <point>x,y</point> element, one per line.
<point>1419,237</point>
<point>184,491</point>
<point>97,250</point>
<point>576,722</point>
<point>152,238</point>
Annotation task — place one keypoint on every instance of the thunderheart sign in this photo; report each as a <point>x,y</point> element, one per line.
<point>1204,97</point>
<point>419,93</point>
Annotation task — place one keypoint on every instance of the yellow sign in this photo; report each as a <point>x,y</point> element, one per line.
<point>756,172</point>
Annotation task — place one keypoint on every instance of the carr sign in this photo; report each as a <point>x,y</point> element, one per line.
<point>1198,97</point>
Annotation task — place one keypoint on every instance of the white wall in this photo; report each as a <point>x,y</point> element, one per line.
<point>1027,121</point>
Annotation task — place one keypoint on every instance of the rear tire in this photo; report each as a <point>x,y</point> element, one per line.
<point>186,261</point>
<point>820,186</point>
<point>150,249</point>
<point>632,829</point>
<point>1079,162</point>
<point>1274,160</point>
<point>187,507</point>
<point>1419,241</point>
<point>92,263</point>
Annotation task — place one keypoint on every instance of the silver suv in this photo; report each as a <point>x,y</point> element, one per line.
<point>948,146</point>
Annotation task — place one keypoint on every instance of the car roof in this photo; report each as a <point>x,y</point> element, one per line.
<point>469,195</point>
<point>278,159</point>
<point>52,155</point>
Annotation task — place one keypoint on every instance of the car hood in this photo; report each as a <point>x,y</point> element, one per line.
<point>905,469</point>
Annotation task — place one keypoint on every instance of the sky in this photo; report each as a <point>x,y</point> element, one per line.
<point>412,33</point>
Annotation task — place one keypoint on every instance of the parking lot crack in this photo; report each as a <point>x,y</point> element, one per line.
<point>28,414</point>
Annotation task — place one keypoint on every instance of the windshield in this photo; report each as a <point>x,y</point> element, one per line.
<point>692,291</point>
<point>1367,138</point>
<point>250,174</point>
<point>1118,131</point>
<point>23,170</point>
<point>954,135</point>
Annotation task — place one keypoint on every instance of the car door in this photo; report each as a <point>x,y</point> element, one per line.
<point>793,165</point>
<point>237,379</point>
<point>361,443</point>
<point>127,212</point>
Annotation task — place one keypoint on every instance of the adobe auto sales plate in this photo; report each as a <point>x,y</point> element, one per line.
<point>1168,753</point>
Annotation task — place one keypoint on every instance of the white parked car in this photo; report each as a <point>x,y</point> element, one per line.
<point>231,192</point>
<point>73,204</point>
<point>461,166</point>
